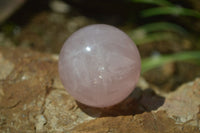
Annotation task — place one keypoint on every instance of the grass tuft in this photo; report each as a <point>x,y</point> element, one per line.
<point>170,10</point>
<point>159,60</point>
<point>156,2</point>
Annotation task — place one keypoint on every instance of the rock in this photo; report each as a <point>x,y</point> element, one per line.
<point>183,104</point>
<point>32,99</point>
<point>8,7</point>
<point>6,67</point>
<point>59,6</point>
<point>143,123</point>
<point>179,113</point>
<point>40,32</point>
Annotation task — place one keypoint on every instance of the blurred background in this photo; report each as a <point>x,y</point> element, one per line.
<point>167,32</point>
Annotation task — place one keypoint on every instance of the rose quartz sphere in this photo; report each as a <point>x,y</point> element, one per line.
<point>99,65</point>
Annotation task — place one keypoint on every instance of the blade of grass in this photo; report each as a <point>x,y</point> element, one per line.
<point>159,26</point>
<point>170,10</point>
<point>153,37</point>
<point>144,34</point>
<point>156,2</point>
<point>156,61</point>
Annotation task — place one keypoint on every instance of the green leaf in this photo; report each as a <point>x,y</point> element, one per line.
<point>170,10</point>
<point>160,26</point>
<point>156,2</point>
<point>155,61</point>
<point>153,37</point>
<point>156,32</point>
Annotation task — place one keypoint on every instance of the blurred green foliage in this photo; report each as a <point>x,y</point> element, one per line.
<point>156,31</point>
<point>170,10</point>
<point>162,31</point>
<point>156,2</point>
<point>159,60</point>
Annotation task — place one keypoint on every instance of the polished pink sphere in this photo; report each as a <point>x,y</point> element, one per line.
<point>99,65</point>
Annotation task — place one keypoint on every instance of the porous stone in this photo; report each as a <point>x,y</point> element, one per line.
<point>6,67</point>
<point>180,113</point>
<point>39,103</point>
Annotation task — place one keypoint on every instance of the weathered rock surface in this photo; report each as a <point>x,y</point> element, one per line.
<point>179,114</point>
<point>32,99</point>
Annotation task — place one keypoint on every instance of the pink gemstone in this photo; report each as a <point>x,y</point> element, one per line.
<point>99,65</point>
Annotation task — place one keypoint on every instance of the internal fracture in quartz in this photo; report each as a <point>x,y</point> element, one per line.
<point>99,65</point>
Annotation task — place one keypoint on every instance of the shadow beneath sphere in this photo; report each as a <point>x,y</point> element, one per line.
<point>138,101</point>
